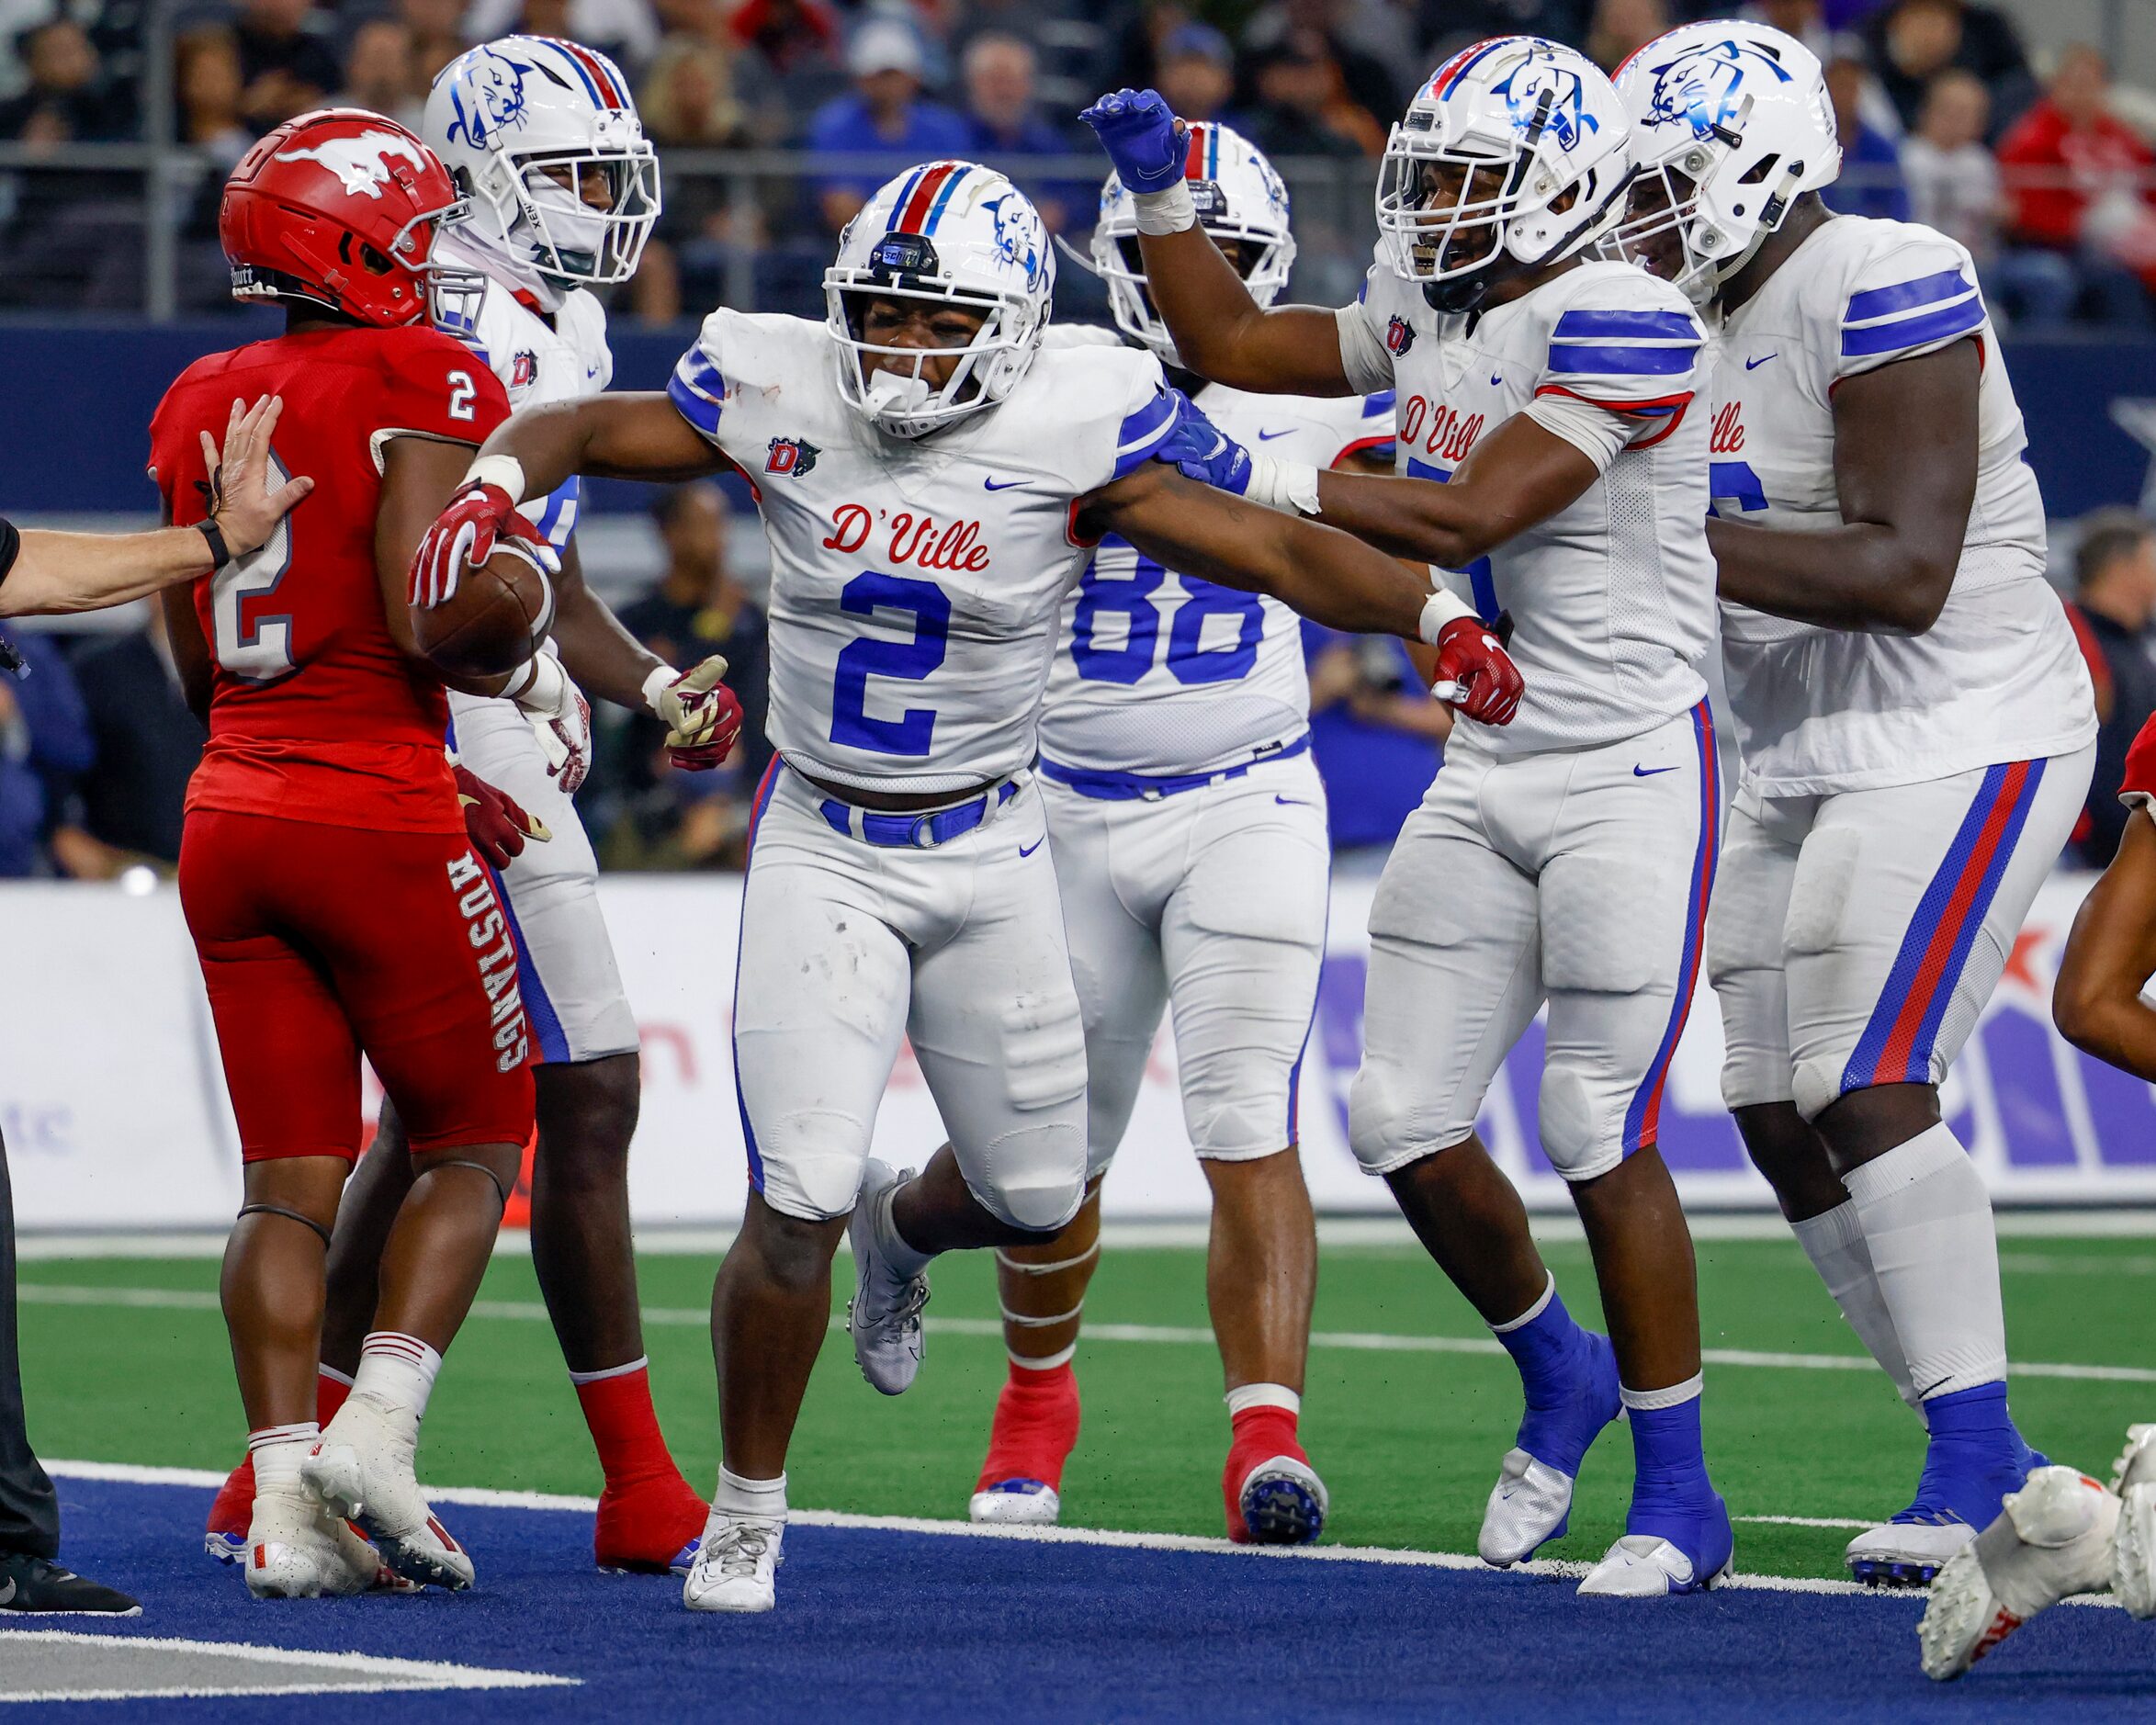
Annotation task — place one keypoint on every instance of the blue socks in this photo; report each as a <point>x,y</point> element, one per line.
<point>1569,1375</point>
<point>1672,1496</point>
<point>1974,1459</point>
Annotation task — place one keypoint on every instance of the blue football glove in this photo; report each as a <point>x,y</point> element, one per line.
<point>1200,450</point>
<point>1138,130</point>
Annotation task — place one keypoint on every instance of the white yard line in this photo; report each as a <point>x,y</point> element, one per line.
<point>1355,1341</point>
<point>368,1674</point>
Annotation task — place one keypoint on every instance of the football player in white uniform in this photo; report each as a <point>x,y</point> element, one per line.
<point>1915,725</point>
<point>932,482</point>
<point>543,138</point>
<point>1546,421</point>
<point>1187,825</point>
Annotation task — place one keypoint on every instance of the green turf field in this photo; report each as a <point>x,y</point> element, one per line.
<point>125,1361</point>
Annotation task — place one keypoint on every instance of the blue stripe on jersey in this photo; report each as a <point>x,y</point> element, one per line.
<point>1635,326</point>
<point>1142,432</point>
<point>1930,326</point>
<point>698,391</point>
<point>944,198</point>
<point>558,520</point>
<point>1926,290</point>
<point>1624,362</point>
<point>1381,405</point>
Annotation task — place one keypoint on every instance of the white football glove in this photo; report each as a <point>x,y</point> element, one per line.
<point>559,717</point>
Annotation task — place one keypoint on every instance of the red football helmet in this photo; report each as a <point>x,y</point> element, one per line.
<point>339,207</point>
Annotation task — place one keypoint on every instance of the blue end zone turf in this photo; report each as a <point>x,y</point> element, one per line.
<point>913,1627</point>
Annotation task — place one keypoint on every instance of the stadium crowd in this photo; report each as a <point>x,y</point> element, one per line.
<point>2051,181</point>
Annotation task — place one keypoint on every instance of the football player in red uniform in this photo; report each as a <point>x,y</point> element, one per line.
<point>335,902</point>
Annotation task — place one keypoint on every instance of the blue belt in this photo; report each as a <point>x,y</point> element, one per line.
<point>914,832</point>
<point>1126,787</point>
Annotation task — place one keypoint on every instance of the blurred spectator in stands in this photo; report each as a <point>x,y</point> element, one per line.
<point>378,74</point>
<point>1135,31</point>
<point>437,36</point>
<point>669,818</point>
<point>688,103</point>
<point>1953,181</point>
<point>625,30</point>
<point>288,58</point>
<point>792,60</point>
<point>68,98</point>
<point>885,117</point>
<point>1804,19</point>
<point>1871,184</point>
<point>1198,72</point>
<point>1375,733</point>
<point>1911,42</point>
<point>1301,106</point>
<point>1621,27</point>
<point>2114,605</point>
<point>1003,121</point>
<point>44,744</point>
<point>687,99</point>
<point>1448,26</point>
<point>205,77</point>
<point>128,807</point>
<point>2078,180</point>
<point>1363,79</point>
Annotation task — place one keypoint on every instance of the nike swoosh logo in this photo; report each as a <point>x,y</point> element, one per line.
<point>1027,850</point>
<point>990,485</point>
<point>1648,772</point>
<point>1496,377</point>
<point>1266,436</point>
<point>1753,364</point>
<point>1293,802</point>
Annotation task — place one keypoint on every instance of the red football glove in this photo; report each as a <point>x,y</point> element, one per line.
<point>703,716</point>
<point>1475,673</point>
<point>466,533</point>
<point>494,821</point>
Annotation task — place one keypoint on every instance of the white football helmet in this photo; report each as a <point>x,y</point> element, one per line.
<point>957,233</point>
<point>1240,199</point>
<point>508,116</point>
<point>1730,121</point>
<point>1537,139</point>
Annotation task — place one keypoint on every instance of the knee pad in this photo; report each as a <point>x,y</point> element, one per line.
<point>1238,1105</point>
<point>1581,1121</point>
<point>1379,1123</point>
<point>1035,1177</point>
<point>811,1163</point>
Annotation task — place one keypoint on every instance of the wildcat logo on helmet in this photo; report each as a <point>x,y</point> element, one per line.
<point>1703,86</point>
<point>362,164</point>
<point>1565,120</point>
<point>791,456</point>
<point>495,84</point>
<point>1399,337</point>
<point>1019,234</point>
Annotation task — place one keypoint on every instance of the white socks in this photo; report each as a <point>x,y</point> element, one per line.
<point>901,1257</point>
<point>1834,1243</point>
<point>1245,1396</point>
<point>1927,1225</point>
<point>737,1496</point>
<point>277,1452</point>
<point>399,1371</point>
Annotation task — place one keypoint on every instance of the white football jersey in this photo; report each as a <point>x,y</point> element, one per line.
<point>917,586</point>
<point>1612,598</point>
<point>1998,677</point>
<point>1162,673</point>
<point>537,363</point>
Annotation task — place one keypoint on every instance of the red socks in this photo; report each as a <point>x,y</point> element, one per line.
<point>1260,1434</point>
<point>1036,1426</point>
<point>647,1511</point>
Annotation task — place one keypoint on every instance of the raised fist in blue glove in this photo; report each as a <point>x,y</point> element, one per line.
<point>1138,129</point>
<point>1200,450</point>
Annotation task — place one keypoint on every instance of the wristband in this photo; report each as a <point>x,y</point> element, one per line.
<point>1170,211</point>
<point>662,677</point>
<point>1290,486</point>
<point>506,471</point>
<point>1442,607</point>
<point>219,552</point>
<point>536,686</point>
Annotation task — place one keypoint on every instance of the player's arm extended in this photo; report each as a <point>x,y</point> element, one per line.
<point>603,658</point>
<point>616,436</point>
<point>2109,958</point>
<point>1223,334</point>
<point>1906,461</point>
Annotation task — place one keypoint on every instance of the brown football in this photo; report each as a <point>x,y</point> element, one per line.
<point>495,620</point>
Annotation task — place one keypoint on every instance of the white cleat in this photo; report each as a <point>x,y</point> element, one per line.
<point>1529,1506</point>
<point>1906,1554</point>
<point>883,1316</point>
<point>737,1564</point>
<point>1645,1566</point>
<point>362,1470</point>
<point>297,1550</point>
<point>1016,1504</point>
<point>2134,1566</point>
<point>2052,1538</point>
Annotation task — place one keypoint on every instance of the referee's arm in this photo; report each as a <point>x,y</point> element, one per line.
<point>43,572</point>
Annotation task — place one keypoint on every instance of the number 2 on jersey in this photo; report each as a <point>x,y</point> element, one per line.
<point>1733,483</point>
<point>257,648</point>
<point>910,661</point>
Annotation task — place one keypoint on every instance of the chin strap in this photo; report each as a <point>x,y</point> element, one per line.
<point>289,1215</point>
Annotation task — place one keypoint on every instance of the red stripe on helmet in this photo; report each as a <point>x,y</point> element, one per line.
<point>1195,162</point>
<point>609,91</point>
<point>913,217</point>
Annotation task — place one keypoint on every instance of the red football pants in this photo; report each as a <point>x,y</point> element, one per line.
<point>321,942</point>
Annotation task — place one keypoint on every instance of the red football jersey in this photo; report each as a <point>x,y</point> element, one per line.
<point>2139,788</point>
<point>314,713</point>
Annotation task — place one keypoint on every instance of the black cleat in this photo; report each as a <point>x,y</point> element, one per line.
<point>34,1586</point>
